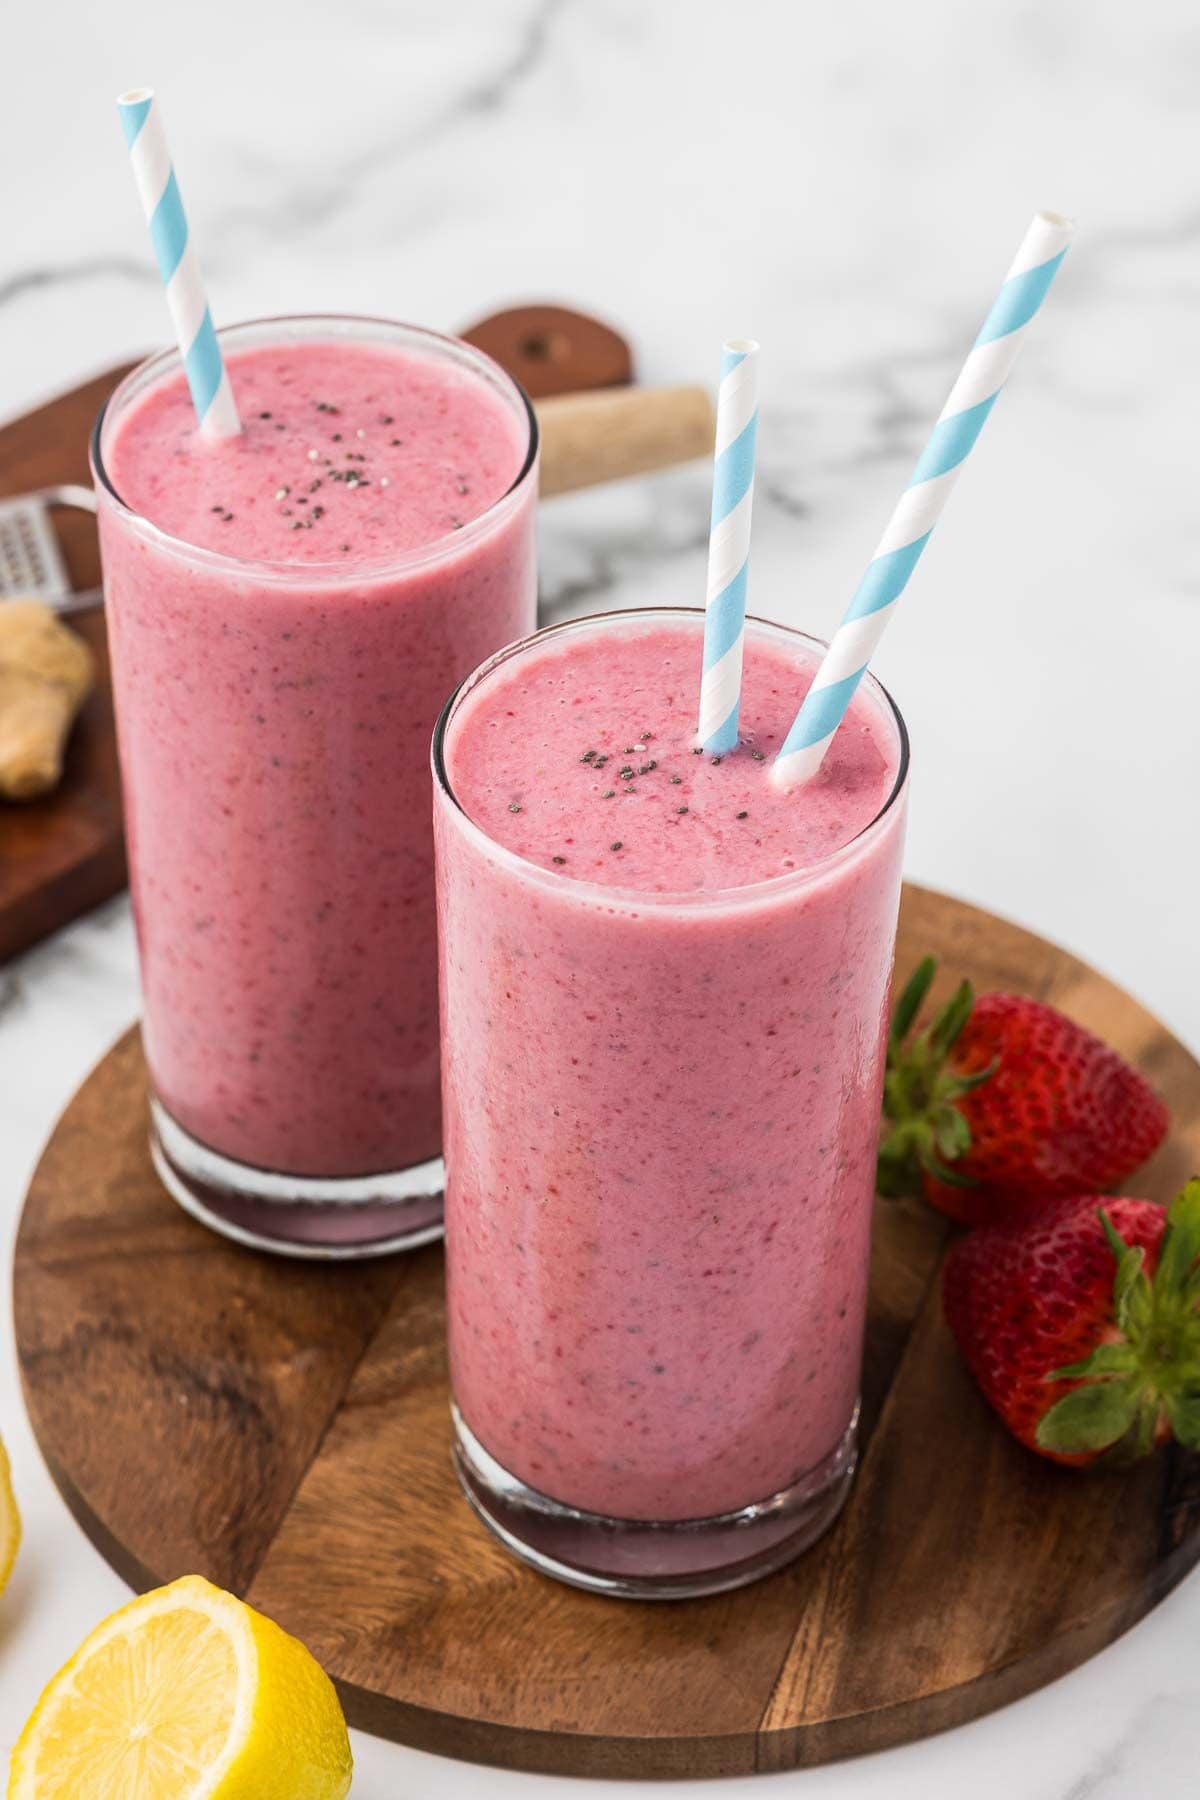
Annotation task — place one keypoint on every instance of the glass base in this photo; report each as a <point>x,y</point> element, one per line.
<point>322,1217</point>
<point>641,1560</point>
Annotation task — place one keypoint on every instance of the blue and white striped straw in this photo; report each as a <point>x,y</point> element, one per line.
<point>194,330</point>
<point>729,546</point>
<point>974,394</point>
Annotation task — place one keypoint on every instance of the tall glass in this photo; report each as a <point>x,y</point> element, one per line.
<point>274,723</point>
<point>661,1120</point>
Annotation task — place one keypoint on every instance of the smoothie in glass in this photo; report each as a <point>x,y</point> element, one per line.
<point>665,990</point>
<point>287,612</point>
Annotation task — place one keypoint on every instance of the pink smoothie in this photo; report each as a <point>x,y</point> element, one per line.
<point>664,992</point>
<point>287,612</point>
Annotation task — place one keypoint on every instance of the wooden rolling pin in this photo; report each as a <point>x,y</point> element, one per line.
<point>613,432</point>
<point>596,426</point>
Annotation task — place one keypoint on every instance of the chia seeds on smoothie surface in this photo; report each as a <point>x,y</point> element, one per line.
<point>527,773</point>
<point>386,494</point>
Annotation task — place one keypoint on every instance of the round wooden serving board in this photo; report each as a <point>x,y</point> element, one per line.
<point>282,1428</point>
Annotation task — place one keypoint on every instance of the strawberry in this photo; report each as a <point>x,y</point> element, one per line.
<point>1002,1104</point>
<point>1082,1325</point>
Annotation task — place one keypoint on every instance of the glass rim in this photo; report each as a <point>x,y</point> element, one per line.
<point>747,892</point>
<point>151,368</point>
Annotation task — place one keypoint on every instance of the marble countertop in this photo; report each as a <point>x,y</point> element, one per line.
<point>847,184</point>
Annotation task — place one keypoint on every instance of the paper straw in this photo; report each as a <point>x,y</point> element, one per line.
<point>194,330</point>
<point>984,373</point>
<point>729,545</point>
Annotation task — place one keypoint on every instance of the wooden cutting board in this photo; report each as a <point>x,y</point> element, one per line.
<point>282,1428</point>
<point>65,853</point>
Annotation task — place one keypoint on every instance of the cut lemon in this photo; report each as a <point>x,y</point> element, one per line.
<point>10,1521</point>
<point>185,1694</point>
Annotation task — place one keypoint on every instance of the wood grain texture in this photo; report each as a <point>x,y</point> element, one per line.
<point>64,853</point>
<point>283,1429</point>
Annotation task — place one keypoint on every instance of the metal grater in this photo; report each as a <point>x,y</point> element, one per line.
<point>31,563</point>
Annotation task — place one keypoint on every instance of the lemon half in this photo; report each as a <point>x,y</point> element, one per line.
<point>10,1521</point>
<point>185,1694</point>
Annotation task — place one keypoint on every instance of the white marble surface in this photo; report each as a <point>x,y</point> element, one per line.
<point>847,183</point>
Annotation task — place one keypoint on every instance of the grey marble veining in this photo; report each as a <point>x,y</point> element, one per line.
<point>847,184</point>
<point>31,281</point>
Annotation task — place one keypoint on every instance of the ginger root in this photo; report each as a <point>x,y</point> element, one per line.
<point>45,676</point>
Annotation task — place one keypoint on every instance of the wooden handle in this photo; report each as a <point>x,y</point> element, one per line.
<point>554,350</point>
<point>590,438</point>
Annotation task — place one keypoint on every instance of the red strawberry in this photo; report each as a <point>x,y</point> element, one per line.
<point>1002,1104</point>
<point>1082,1325</point>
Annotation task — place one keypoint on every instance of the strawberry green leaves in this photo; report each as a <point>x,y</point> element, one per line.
<point>928,1132</point>
<point>911,1001</point>
<point>1090,1418</point>
<point>1179,1257</point>
<point>1145,1382</point>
